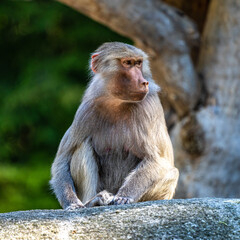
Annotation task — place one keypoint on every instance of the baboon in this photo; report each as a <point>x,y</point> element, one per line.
<point>117,149</point>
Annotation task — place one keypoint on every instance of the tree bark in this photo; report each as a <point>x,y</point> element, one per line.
<point>196,10</point>
<point>207,135</point>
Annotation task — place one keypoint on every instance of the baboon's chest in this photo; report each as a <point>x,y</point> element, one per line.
<point>118,150</point>
<point>113,168</point>
<point>119,139</point>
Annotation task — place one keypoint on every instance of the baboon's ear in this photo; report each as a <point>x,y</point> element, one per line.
<point>94,62</point>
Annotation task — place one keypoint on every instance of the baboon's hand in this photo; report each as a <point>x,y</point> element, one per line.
<point>105,198</point>
<point>101,199</point>
<point>74,206</point>
<point>120,200</point>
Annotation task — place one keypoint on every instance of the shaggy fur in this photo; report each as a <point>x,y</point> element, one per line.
<point>119,146</point>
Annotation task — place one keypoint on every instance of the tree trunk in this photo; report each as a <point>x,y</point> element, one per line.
<point>215,171</point>
<point>207,134</point>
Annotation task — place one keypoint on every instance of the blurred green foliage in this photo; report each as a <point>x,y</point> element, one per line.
<point>44,49</point>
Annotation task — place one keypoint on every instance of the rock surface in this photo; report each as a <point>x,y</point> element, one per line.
<point>209,218</point>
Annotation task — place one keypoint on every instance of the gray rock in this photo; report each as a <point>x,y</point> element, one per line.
<point>209,218</point>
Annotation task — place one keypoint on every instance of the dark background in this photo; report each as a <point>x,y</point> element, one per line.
<point>44,49</point>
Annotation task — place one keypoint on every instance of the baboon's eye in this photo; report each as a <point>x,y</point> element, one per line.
<point>138,63</point>
<point>127,63</point>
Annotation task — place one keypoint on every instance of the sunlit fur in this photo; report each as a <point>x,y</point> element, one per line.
<point>114,145</point>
